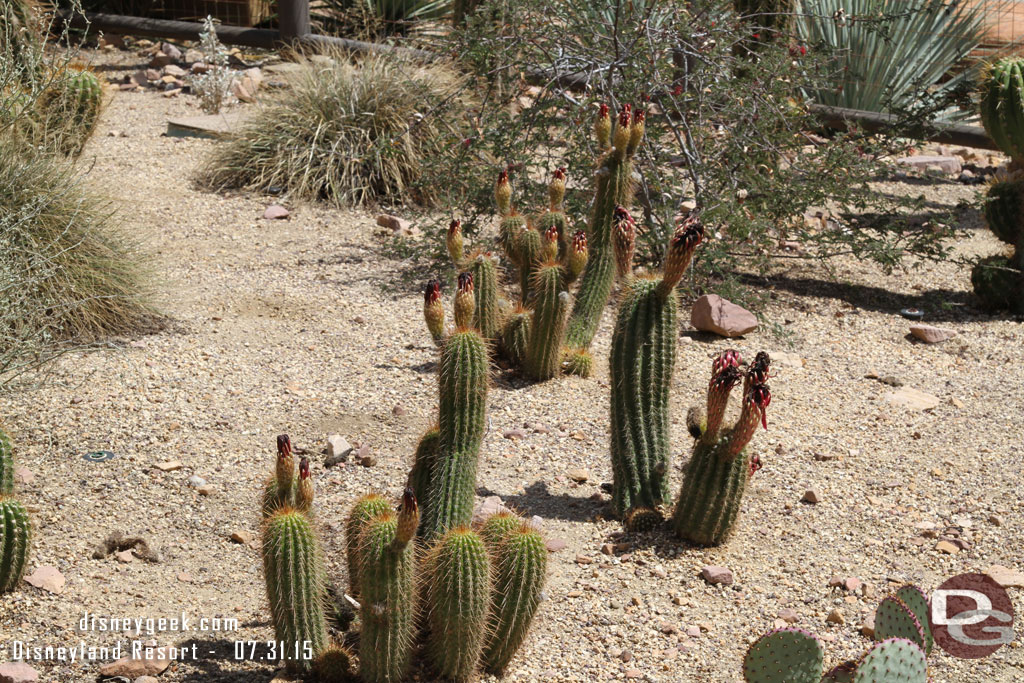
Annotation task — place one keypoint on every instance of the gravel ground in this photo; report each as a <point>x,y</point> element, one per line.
<point>298,326</point>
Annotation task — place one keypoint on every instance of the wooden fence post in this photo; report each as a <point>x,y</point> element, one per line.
<point>293,19</point>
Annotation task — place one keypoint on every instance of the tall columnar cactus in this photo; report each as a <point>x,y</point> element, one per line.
<point>486,315</point>
<point>6,464</point>
<point>458,599</point>
<point>716,477</point>
<point>366,508</point>
<point>280,488</point>
<point>555,216</point>
<point>642,359</point>
<point>423,464</point>
<point>433,311</point>
<point>15,537</point>
<point>463,380</point>
<point>304,491</point>
<point>387,564</point>
<point>454,242</point>
<point>519,560</point>
<point>515,336</point>
<point>550,312</point>
<point>1002,105</point>
<point>293,567</point>
<point>614,189</point>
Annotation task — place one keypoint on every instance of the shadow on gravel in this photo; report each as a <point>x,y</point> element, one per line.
<point>539,501</point>
<point>218,662</point>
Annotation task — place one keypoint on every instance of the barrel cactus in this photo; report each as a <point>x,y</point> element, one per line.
<point>6,464</point>
<point>69,110</point>
<point>1002,105</point>
<point>15,537</point>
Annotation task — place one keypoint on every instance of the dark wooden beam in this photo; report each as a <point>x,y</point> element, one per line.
<point>293,19</point>
<point>838,118</point>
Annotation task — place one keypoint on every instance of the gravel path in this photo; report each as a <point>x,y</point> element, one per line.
<point>298,326</point>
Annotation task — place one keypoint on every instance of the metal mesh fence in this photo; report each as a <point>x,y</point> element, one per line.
<point>1003,27</point>
<point>229,12</point>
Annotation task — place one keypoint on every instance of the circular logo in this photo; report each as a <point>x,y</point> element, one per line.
<point>98,456</point>
<point>972,616</point>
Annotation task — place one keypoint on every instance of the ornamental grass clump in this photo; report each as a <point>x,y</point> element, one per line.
<point>348,134</point>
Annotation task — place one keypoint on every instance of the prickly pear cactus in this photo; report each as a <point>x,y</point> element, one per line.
<point>893,619</point>
<point>916,600</point>
<point>15,538</point>
<point>895,660</point>
<point>788,655</point>
<point>841,673</point>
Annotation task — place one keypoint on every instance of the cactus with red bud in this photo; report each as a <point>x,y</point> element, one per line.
<point>603,128</point>
<point>503,194</point>
<point>486,312</point>
<point>550,313</point>
<point>281,487</point>
<point>433,310</point>
<point>465,302</point>
<point>549,245</point>
<point>623,133</point>
<point>643,357</point>
<point>688,236</point>
<point>555,216</point>
<point>577,258</point>
<point>624,239</point>
<point>304,491</point>
<point>716,478</point>
<point>636,131</point>
<point>454,241</point>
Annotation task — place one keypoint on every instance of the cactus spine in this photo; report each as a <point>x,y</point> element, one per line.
<point>366,508</point>
<point>293,567</point>
<point>642,360</point>
<point>387,562</point>
<point>614,189</point>
<point>716,477</point>
<point>6,464</point>
<point>463,378</point>
<point>1002,105</point>
<point>15,537</point>
<point>458,596</point>
<point>520,568</point>
<point>551,310</point>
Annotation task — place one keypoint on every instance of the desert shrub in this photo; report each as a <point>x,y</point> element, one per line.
<point>213,88</point>
<point>350,134</point>
<point>21,36</point>
<point>895,54</point>
<point>374,17</point>
<point>728,130</point>
<point>68,276</point>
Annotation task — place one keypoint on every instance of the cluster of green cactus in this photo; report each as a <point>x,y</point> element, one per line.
<point>999,280</point>
<point>68,111</point>
<point>903,641</point>
<point>15,526</point>
<point>293,566</point>
<point>544,330</point>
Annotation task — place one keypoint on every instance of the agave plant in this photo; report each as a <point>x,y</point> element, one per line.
<point>894,55</point>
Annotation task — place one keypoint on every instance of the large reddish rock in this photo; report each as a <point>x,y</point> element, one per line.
<point>932,335</point>
<point>712,313</point>
<point>17,672</point>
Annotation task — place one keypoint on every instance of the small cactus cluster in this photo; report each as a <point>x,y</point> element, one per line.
<point>903,641</point>
<point>999,280</point>
<point>15,526</point>
<point>546,329</point>
<point>294,570</point>
<point>68,111</point>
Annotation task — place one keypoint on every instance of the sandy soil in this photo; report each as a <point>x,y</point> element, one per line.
<point>301,326</point>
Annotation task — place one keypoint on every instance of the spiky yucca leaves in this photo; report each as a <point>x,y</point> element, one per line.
<point>550,313</point>
<point>366,508</point>
<point>716,478</point>
<point>642,359</point>
<point>486,315</point>
<point>280,488</point>
<point>462,380</point>
<point>387,565</point>
<point>6,464</point>
<point>423,464</point>
<point>69,111</point>
<point>614,188</point>
<point>1002,105</point>
<point>15,538</point>
<point>293,568</point>
<point>458,572</point>
<point>519,559</point>
<point>515,337</point>
<point>433,311</point>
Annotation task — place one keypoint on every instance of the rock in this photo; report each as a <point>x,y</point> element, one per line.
<point>174,70</point>
<point>693,631</point>
<point>160,61</point>
<point>133,668</point>
<point>338,449</point>
<point>23,476</point>
<point>254,75</point>
<point>490,506</point>
<point>811,496</point>
<point>579,476</point>
<point>717,575</point>
<point>17,672</point>
<point>199,68</point>
<point>1006,577</point>
<point>947,547</point>
<point>948,165</point>
<point>608,549</point>
<point>169,465</point>
<point>712,313</point>
<point>625,655</point>
<point>514,434</point>
<point>193,55</point>
<point>195,481</point>
<point>932,335</point>
<point>867,629</point>
<point>244,89</point>
<point>852,584</point>
<point>583,559</point>
<point>556,544</point>
<point>275,212</point>
<point>835,617</point>
<point>789,616</point>
<point>171,51</point>
<point>125,556</point>
<point>398,411</point>
<point>995,520</point>
<point>634,673</point>
<point>789,360</point>
<point>243,537</point>
<point>366,460</point>
<point>206,490</point>
<point>48,578</point>
<point>912,398</point>
<point>397,225</point>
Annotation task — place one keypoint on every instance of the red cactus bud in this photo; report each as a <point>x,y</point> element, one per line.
<point>431,294</point>
<point>579,241</point>
<point>626,115</point>
<point>560,173</point>
<point>551,234</point>
<point>725,379</point>
<point>465,283</point>
<point>502,177</point>
<point>759,398</point>
<point>758,371</point>
<point>624,237</point>
<point>690,231</point>
<point>727,359</point>
<point>454,226</point>
<point>803,50</point>
<point>602,113</point>
<point>408,504</point>
<point>755,464</point>
<point>640,116</point>
<point>304,468</point>
<point>284,446</point>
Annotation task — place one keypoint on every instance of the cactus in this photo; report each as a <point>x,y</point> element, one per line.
<point>895,619</point>
<point>334,665</point>
<point>717,474</point>
<point>1002,105</point>
<point>280,488</point>
<point>423,465</point>
<point>366,508</point>
<point>642,359</point>
<point>554,217</point>
<point>551,310</point>
<point>458,599</point>
<point>6,464</point>
<point>387,561</point>
<point>520,568</point>
<point>998,284</point>
<point>486,317</point>
<point>999,280</point>
<point>918,603</point>
<point>515,337</point>
<point>293,567</point>
<point>433,311</point>
<point>69,110</point>
<point>454,241</point>
<point>614,189</point>
<point>529,245</point>
<point>15,538</point>
<point>895,660</point>
<point>304,492</point>
<point>1004,209</point>
<point>463,378</point>
<point>789,655</point>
